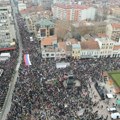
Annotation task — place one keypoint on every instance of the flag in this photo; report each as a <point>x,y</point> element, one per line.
<point>27,60</point>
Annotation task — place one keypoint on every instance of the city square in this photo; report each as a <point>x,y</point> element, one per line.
<point>48,75</point>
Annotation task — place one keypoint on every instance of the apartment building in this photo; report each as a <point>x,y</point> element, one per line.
<point>7,29</point>
<point>73,12</point>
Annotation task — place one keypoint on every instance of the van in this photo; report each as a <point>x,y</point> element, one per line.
<point>112,109</point>
<point>115,115</point>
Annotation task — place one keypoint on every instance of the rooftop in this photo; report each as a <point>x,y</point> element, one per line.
<point>31,9</point>
<point>116,25</point>
<point>76,46</point>
<point>62,45</point>
<point>116,47</point>
<point>48,40</point>
<point>90,44</point>
<point>44,23</point>
<point>75,6</point>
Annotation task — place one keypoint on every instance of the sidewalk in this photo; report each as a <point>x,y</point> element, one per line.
<point>102,105</point>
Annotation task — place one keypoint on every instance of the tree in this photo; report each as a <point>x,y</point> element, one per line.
<point>62,28</point>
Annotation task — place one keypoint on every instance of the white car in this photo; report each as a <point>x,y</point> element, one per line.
<point>115,115</point>
<point>112,109</point>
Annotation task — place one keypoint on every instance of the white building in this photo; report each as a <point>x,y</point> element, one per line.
<point>106,46</point>
<point>113,31</point>
<point>22,6</point>
<point>51,49</point>
<point>7,29</point>
<point>73,12</point>
<point>89,49</point>
<point>87,14</point>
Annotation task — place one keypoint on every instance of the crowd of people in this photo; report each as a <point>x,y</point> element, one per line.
<point>7,67</point>
<point>35,99</point>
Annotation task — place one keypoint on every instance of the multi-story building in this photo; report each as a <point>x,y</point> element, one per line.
<point>44,3</point>
<point>7,30</point>
<point>62,1</point>
<point>113,31</point>
<point>115,11</point>
<point>116,51</point>
<point>52,49</point>
<point>106,46</point>
<point>73,12</point>
<point>22,5</point>
<point>76,50</point>
<point>89,49</point>
<point>44,28</point>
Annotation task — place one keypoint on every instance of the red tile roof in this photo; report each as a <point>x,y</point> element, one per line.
<point>102,35</point>
<point>48,40</point>
<point>90,44</point>
<point>62,45</point>
<point>116,25</point>
<point>116,47</point>
<point>7,49</point>
<point>31,9</point>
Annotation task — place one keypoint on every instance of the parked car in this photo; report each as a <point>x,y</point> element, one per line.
<point>115,115</point>
<point>112,109</point>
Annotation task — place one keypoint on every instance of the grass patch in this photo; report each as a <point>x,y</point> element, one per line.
<point>115,77</point>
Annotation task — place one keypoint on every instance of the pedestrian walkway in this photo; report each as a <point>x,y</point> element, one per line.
<point>102,105</point>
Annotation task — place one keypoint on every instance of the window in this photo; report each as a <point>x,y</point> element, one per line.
<point>52,54</point>
<point>51,31</point>
<point>47,54</point>
<point>43,32</point>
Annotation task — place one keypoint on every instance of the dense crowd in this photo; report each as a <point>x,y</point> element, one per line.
<point>34,99</point>
<point>8,68</point>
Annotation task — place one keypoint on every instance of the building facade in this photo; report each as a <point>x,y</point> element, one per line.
<point>52,49</point>
<point>73,12</point>
<point>76,51</point>
<point>106,46</point>
<point>90,49</point>
<point>44,28</point>
<point>113,31</point>
<point>7,28</point>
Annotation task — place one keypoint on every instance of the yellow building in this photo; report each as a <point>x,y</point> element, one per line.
<point>76,51</point>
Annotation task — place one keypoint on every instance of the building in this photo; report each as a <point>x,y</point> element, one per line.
<point>116,51</point>
<point>76,50</point>
<point>89,49</point>
<point>7,28</point>
<point>44,28</point>
<point>113,31</point>
<point>46,4</point>
<point>115,11</point>
<point>52,49</point>
<point>73,12</point>
<point>22,6</point>
<point>69,47</point>
<point>62,1</point>
<point>33,15</point>
<point>106,46</point>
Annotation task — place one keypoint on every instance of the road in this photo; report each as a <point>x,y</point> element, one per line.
<point>8,102</point>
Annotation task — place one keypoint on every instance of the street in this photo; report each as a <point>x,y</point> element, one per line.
<point>7,103</point>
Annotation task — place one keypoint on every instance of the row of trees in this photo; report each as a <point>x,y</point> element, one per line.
<point>65,30</point>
